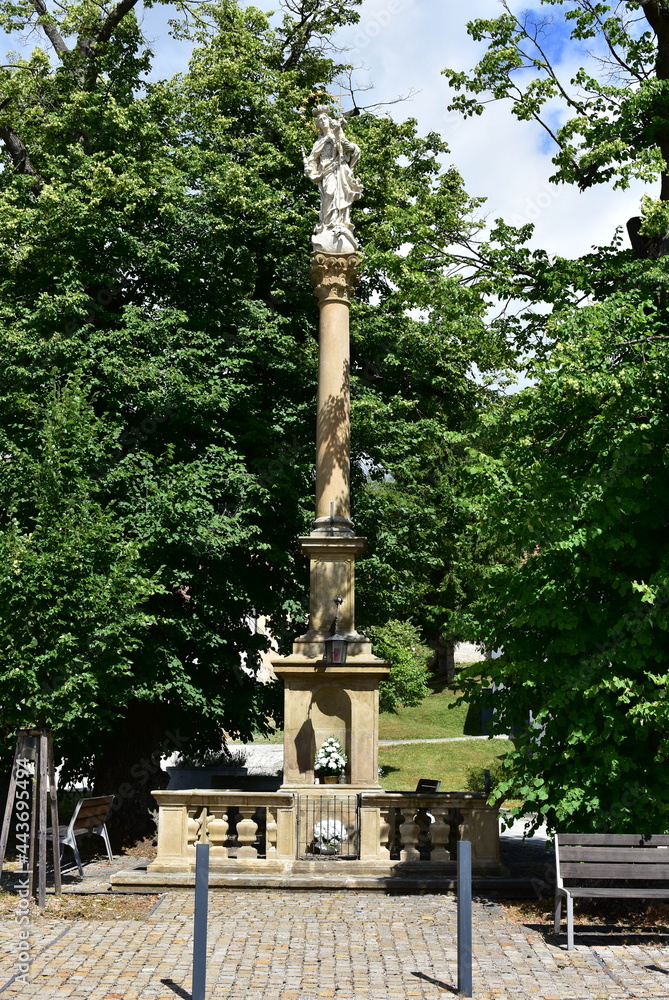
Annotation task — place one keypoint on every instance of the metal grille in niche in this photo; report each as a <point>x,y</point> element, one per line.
<point>328,826</point>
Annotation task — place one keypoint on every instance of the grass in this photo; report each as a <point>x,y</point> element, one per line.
<point>275,737</point>
<point>83,906</point>
<point>434,717</point>
<point>449,762</point>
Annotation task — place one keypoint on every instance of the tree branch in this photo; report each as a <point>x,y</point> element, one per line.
<point>611,47</point>
<point>19,156</point>
<point>658,19</point>
<point>114,18</point>
<point>50,29</point>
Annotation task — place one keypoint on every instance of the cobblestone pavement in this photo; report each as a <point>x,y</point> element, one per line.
<point>321,946</point>
<point>96,880</point>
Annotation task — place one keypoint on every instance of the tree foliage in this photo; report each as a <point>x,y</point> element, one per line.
<point>159,365</point>
<point>572,476</point>
<point>406,685</point>
<point>607,126</point>
<point>569,474</point>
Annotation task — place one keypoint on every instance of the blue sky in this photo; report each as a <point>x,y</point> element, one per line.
<point>506,161</point>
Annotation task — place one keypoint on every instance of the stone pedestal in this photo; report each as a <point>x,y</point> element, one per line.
<point>328,701</point>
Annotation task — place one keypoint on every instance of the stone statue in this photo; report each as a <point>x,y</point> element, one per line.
<point>330,165</point>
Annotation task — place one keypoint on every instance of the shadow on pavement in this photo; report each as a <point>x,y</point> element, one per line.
<point>602,935</point>
<point>180,992</point>
<point>435,982</point>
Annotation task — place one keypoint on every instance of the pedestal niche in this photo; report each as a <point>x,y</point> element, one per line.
<point>341,701</point>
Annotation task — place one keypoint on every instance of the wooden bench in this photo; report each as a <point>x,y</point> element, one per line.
<point>609,864</point>
<point>89,816</point>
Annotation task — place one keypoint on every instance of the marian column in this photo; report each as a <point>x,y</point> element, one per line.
<point>338,699</point>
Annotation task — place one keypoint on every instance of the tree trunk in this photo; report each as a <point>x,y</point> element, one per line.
<point>128,765</point>
<point>444,660</point>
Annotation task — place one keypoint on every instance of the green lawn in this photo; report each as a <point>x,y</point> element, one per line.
<point>432,718</point>
<point>449,762</point>
<point>275,737</point>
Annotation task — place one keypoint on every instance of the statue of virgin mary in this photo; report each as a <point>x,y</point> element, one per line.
<point>330,165</point>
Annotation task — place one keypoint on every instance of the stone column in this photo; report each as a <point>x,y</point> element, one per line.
<point>332,546</point>
<point>325,698</point>
<point>334,278</point>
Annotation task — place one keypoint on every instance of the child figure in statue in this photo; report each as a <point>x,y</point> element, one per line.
<point>330,165</point>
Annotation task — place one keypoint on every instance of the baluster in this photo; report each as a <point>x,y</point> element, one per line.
<point>466,825</point>
<point>440,832</point>
<point>352,845</point>
<point>270,831</point>
<point>409,831</point>
<point>217,829</point>
<point>246,832</point>
<point>194,829</point>
<point>386,832</point>
<point>422,818</point>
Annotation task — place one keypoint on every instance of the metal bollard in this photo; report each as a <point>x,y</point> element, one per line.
<point>200,921</point>
<point>464,918</point>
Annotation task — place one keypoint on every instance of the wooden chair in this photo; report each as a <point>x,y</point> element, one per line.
<point>89,816</point>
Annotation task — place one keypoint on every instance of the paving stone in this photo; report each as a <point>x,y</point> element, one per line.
<point>266,945</point>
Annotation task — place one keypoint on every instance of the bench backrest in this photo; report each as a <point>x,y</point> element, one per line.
<point>89,813</point>
<point>428,785</point>
<point>610,856</point>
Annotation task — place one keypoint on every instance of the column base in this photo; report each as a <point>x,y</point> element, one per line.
<point>332,527</point>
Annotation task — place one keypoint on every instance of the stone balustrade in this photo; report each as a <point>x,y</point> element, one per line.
<point>261,831</point>
<point>408,827</point>
<point>240,827</point>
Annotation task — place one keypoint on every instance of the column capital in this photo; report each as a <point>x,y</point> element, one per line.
<point>334,276</point>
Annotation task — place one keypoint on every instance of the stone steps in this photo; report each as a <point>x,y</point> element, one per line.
<point>331,876</point>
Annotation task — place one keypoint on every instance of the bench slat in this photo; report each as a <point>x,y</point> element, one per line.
<point>613,840</point>
<point>638,855</point>
<point>93,819</point>
<point>611,892</point>
<point>96,804</point>
<point>582,869</point>
<point>91,812</point>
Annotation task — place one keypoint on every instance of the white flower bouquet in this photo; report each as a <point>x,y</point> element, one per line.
<point>330,759</point>
<point>329,835</point>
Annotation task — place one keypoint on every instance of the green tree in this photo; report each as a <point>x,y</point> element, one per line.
<point>569,474</point>
<point>406,685</point>
<point>611,127</point>
<point>159,365</point>
<point>571,477</point>
<point>412,387</point>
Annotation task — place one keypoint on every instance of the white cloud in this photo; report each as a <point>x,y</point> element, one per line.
<point>405,46</point>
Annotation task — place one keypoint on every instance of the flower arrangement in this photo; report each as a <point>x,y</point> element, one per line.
<point>329,835</point>
<point>330,759</point>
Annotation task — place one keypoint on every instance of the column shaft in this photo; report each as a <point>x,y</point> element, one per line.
<point>333,428</point>
<point>334,278</point>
